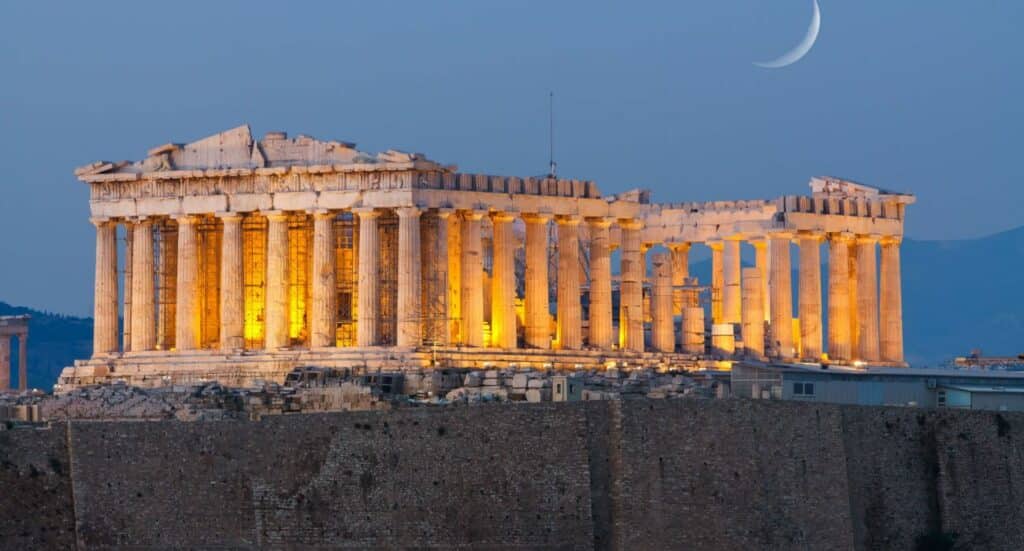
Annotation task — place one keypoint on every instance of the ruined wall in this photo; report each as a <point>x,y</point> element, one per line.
<point>628,475</point>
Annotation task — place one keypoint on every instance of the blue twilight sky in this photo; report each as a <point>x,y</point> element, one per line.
<point>923,96</point>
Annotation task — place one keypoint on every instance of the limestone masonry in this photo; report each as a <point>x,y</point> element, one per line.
<point>631,474</point>
<point>244,259</point>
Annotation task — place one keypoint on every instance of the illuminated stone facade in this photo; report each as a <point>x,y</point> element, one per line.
<point>243,259</point>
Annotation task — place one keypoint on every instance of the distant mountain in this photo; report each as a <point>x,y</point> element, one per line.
<point>957,295</point>
<point>54,342</point>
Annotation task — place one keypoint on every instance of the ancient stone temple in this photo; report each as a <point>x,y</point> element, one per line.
<point>237,259</point>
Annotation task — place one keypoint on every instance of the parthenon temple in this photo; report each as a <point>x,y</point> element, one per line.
<point>238,259</point>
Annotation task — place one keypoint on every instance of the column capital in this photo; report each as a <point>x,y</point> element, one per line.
<point>734,237</point>
<point>99,221</point>
<point>537,217</point>
<point>841,237</point>
<point>891,239</point>
<point>275,215</point>
<point>869,239</point>
<point>321,213</point>
<point>781,235</point>
<point>758,241</point>
<point>678,245</point>
<point>185,218</point>
<point>503,216</point>
<point>228,215</point>
<point>366,212</point>
<point>599,221</point>
<point>444,212</point>
<point>715,244</point>
<point>142,219</point>
<point>808,234</point>
<point>567,220</point>
<point>408,212</point>
<point>630,223</point>
<point>473,214</point>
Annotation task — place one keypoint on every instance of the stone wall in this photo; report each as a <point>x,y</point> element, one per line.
<point>640,474</point>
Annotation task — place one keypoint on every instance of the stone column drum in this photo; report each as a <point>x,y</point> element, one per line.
<point>472,280</point>
<point>325,291</point>
<point>367,281</point>
<point>503,284</point>
<point>717,280</point>
<point>600,312</point>
<point>129,250</point>
<point>892,302</point>
<point>781,287</point>
<point>143,287</point>
<point>753,316</point>
<point>455,279</point>
<point>537,330</point>
<point>232,284</point>
<point>867,299</point>
<point>761,262</point>
<point>187,329</point>
<point>662,325</point>
<point>731,292</point>
<point>809,297</point>
<point>276,310</point>
<point>409,278</point>
<point>631,307</point>
<point>104,340</point>
<point>570,323</point>
<point>680,271</point>
<point>839,341</point>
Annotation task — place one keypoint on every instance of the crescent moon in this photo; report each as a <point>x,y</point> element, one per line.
<point>802,48</point>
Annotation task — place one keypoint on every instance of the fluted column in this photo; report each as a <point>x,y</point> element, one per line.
<point>600,313</point>
<point>760,245</point>
<point>129,252</point>
<point>5,363</point>
<point>167,291</point>
<point>680,271</point>
<point>187,329</point>
<point>23,360</point>
<point>753,315</point>
<point>276,309</point>
<point>662,333</point>
<point>810,295</point>
<point>434,246</point>
<point>570,319</point>
<point>143,287</point>
<point>717,280</point>
<point>368,279</point>
<point>232,284</point>
<point>892,301</point>
<point>455,279</point>
<point>781,287</point>
<point>867,299</point>
<point>731,291</point>
<point>104,339</point>
<point>503,284</point>
<point>472,280</point>
<point>538,313</point>
<point>839,341</point>
<point>409,279</point>
<point>631,299</point>
<point>324,321</point>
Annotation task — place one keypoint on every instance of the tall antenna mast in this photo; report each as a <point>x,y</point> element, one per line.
<point>552,166</point>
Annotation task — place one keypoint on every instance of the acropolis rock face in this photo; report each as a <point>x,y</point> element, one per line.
<point>249,257</point>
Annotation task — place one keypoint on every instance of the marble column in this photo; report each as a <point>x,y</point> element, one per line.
<point>129,250</point>
<point>455,279</point>
<point>23,360</point>
<point>5,363</point>
<point>662,325</point>
<point>867,299</point>
<point>753,315</point>
<point>503,283</point>
<point>717,280</point>
<point>167,292</point>
<point>631,299</point>
<point>891,301</point>
<point>761,262</point>
<point>472,279</point>
<point>600,313</point>
<point>781,288</point>
<point>570,318</point>
<point>187,328</point>
<point>538,312</point>
<point>325,289</point>
<point>839,341</point>
<point>434,255</point>
<point>680,271</point>
<point>731,301</point>
<point>409,278</point>
<point>276,309</point>
<point>232,284</point>
<point>143,287</point>
<point>368,280</point>
<point>809,297</point>
<point>104,339</point>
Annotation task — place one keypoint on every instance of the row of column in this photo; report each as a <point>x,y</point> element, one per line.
<point>864,310</point>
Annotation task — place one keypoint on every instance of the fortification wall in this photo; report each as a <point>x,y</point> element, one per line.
<point>627,475</point>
